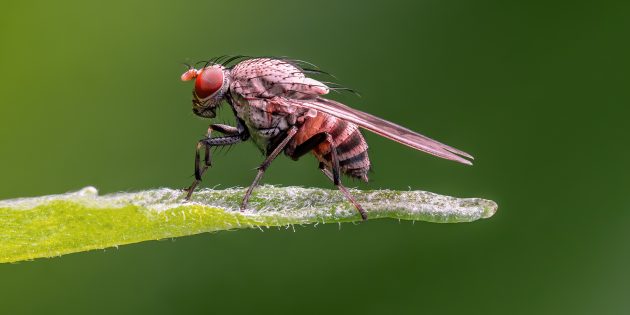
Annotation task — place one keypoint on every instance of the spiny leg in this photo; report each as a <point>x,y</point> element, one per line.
<point>224,129</point>
<point>207,161</point>
<point>335,177</point>
<point>265,164</point>
<point>345,192</point>
<point>234,136</point>
<point>199,171</point>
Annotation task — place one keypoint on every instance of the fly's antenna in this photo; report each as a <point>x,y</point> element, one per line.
<point>190,73</point>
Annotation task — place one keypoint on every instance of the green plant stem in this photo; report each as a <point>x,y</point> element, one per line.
<point>61,224</point>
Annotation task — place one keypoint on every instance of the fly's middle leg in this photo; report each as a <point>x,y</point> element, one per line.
<point>265,164</point>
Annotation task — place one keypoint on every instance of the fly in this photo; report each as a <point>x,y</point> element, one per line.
<point>280,109</point>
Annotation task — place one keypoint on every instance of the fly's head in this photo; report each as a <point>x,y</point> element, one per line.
<point>211,85</point>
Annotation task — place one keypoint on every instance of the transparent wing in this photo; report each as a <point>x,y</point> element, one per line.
<point>381,127</point>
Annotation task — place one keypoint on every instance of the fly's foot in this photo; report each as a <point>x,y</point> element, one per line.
<point>244,205</point>
<point>189,192</point>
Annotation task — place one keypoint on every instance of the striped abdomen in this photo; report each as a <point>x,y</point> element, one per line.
<point>351,146</point>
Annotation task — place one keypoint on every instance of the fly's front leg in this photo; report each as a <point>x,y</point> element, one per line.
<point>265,164</point>
<point>224,129</point>
<point>234,135</point>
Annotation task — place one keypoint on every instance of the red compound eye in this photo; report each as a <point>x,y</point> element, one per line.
<point>208,82</point>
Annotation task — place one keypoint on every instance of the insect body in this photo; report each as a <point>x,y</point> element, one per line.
<point>283,110</point>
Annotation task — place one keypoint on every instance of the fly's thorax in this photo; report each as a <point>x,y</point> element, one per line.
<point>262,122</point>
<point>262,114</point>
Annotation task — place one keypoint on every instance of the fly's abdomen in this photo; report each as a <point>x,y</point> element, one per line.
<point>351,149</point>
<point>350,144</point>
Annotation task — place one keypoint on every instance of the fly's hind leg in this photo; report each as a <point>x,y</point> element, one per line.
<point>344,191</point>
<point>334,176</point>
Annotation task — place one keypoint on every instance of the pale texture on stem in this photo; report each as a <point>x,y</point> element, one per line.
<point>61,224</point>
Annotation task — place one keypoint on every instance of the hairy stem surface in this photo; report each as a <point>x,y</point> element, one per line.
<point>61,224</point>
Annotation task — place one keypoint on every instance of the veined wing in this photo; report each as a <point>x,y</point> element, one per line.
<point>381,127</point>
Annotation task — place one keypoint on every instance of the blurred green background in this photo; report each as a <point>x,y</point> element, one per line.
<point>537,91</point>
